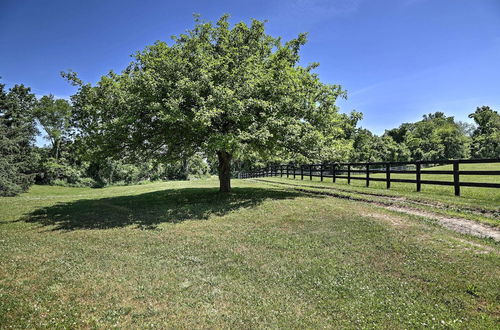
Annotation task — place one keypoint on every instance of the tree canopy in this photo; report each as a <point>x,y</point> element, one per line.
<point>54,115</point>
<point>435,137</point>
<point>221,90</point>
<point>17,134</point>
<point>486,137</point>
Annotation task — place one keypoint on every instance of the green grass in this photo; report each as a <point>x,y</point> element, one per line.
<point>484,194</point>
<point>179,254</point>
<point>473,197</point>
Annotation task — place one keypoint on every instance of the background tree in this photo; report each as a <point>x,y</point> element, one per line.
<point>486,137</point>
<point>54,116</point>
<point>17,134</point>
<point>435,137</point>
<point>364,146</point>
<point>368,147</point>
<point>218,90</point>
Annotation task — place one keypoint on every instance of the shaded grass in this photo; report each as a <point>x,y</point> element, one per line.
<point>150,209</point>
<point>260,257</point>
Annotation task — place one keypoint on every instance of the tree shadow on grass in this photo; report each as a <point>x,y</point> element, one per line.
<point>149,210</point>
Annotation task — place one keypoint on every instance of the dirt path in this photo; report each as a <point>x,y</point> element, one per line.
<point>460,225</point>
<point>435,204</point>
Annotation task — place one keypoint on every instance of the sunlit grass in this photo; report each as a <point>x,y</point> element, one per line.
<point>181,255</point>
<point>481,197</point>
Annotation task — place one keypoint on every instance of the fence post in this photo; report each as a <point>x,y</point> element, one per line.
<point>349,174</point>
<point>367,175</point>
<point>419,176</point>
<point>311,172</point>
<point>388,175</point>
<point>302,172</point>
<point>456,177</point>
<point>334,170</point>
<point>321,171</point>
<point>294,171</point>
<point>287,171</point>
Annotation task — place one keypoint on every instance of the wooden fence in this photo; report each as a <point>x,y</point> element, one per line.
<point>346,170</point>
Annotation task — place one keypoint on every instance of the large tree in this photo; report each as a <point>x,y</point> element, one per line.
<point>17,134</point>
<point>486,137</point>
<point>435,137</point>
<point>54,115</point>
<point>217,89</point>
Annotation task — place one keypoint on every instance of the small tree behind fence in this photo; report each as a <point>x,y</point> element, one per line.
<point>362,171</point>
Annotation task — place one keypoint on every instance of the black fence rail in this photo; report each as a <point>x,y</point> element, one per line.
<point>352,171</point>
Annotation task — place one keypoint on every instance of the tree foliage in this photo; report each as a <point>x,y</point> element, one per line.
<point>486,137</point>
<point>220,90</point>
<point>17,134</point>
<point>54,116</point>
<point>435,137</point>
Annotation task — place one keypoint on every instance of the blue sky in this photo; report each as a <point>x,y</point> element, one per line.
<point>398,59</point>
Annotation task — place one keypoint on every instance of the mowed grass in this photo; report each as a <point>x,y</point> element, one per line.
<point>483,198</point>
<point>181,255</point>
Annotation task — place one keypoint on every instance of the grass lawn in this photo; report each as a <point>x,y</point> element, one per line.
<point>471,197</point>
<point>178,254</point>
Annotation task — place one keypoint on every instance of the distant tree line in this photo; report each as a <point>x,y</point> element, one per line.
<point>435,137</point>
<point>71,160</point>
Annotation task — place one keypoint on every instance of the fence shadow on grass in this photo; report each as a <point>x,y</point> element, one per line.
<point>148,210</point>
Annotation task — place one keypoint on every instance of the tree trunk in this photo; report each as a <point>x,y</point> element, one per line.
<point>185,168</point>
<point>224,171</point>
<point>58,143</point>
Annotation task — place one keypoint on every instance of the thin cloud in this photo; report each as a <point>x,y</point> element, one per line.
<point>407,3</point>
<point>307,12</point>
<point>325,7</point>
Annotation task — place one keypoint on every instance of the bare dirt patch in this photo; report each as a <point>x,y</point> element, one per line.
<point>473,246</point>
<point>460,225</point>
<point>391,219</point>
